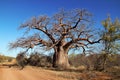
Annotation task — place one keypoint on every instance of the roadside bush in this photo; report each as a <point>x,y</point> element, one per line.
<point>94,61</point>
<point>40,60</point>
<point>34,59</point>
<point>21,60</point>
<point>10,59</point>
<point>80,60</point>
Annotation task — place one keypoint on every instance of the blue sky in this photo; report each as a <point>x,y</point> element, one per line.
<point>15,12</point>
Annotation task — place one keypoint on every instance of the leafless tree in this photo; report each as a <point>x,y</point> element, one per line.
<point>61,32</point>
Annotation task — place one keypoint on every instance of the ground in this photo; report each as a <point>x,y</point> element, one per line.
<point>35,73</point>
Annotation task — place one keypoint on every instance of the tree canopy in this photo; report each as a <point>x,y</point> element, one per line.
<point>111,35</point>
<point>63,31</point>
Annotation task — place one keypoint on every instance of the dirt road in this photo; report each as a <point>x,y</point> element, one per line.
<point>27,73</point>
<point>35,73</point>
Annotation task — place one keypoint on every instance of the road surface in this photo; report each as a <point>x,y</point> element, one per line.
<point>27,73</point>
<point>35,73</point>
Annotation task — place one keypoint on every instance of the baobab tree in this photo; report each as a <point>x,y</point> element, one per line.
<point>61,32</point>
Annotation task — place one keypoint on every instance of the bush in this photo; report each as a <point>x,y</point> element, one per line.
<point>40,60</point>
<point>79,60</point>
<point>21,59</point>
<point>10,59</point>
<point>34,59</point>
<point>94,61</point>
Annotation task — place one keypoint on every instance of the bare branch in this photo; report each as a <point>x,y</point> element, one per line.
<point>92,42</point>
<point>64,29</point>
<point>39,24</point>
<point>29,42</point>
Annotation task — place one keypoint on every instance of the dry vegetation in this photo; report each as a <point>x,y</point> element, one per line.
<point>80,69</point>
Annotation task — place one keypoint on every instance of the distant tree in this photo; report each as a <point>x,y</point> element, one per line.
<point>62,32</point>
<point>111,39</point>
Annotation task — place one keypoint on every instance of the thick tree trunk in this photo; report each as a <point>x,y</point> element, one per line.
<point>60,58</point>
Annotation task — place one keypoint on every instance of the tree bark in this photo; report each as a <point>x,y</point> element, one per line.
<point>60,58</point>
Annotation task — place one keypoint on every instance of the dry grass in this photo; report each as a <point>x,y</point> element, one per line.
<point>114,72</point>
<point>84,76</point>
<point>79,75</point>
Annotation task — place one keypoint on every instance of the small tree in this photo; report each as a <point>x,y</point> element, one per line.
<point>110,38</point>
<point>111,35</point>
<point>62,32</point>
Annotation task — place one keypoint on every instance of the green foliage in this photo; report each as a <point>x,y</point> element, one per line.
<point>111,38</point>
<point>111,34</point>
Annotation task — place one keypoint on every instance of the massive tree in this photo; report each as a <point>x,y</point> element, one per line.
<point>61,32</point>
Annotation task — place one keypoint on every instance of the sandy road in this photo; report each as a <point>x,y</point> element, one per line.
<point>36,73</point>
<point>27,73</point>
